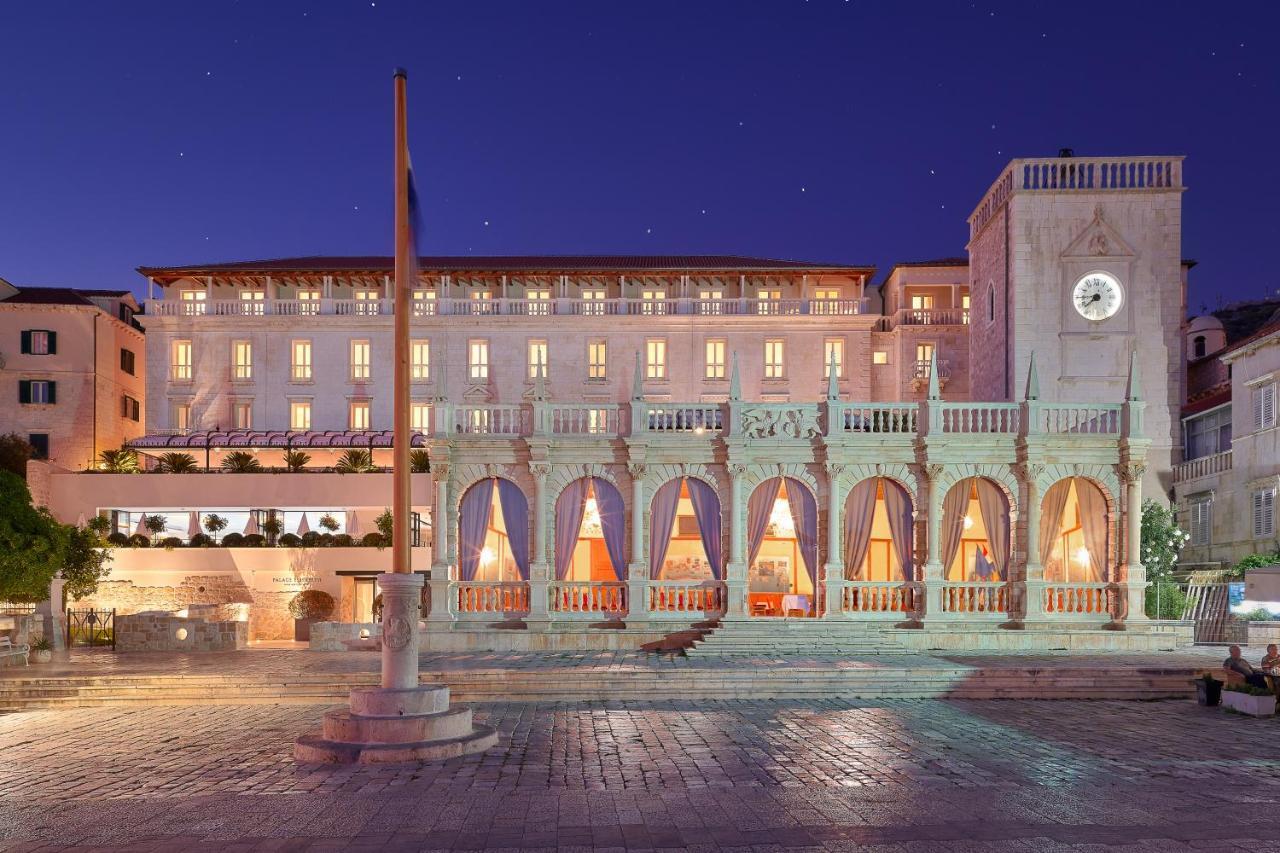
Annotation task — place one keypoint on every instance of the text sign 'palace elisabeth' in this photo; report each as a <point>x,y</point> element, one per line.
<point>623,446</point>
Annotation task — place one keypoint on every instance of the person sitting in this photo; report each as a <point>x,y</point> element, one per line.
<point>1242,670</point>
<point>1271,660</point>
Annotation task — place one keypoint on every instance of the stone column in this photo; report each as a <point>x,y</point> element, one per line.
<point>1134,582</point>
<point>833,569</point>
<point>933,571</point>
<point>638,565</point>
<point>1033,573</point>
<point>539,568</point>
<point>401,598</point>
<point>735,572</point>
<point>55,619</point>
<point>442,603</point>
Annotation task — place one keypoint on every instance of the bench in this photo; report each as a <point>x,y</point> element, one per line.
<point>8,649</point>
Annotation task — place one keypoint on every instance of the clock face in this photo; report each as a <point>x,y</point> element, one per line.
<point>1097,296</point>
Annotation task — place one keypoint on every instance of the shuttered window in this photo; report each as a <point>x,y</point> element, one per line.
<point>1264,407</point>
<point>1264,513</point>
<point>1201,521</point>
<point>41,391</point>
<point>38,342</point>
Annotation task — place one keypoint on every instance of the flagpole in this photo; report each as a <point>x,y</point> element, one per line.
<point>401,588</point>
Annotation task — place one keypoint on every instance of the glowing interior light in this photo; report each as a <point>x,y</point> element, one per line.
<point>780,517</point>
<point>968,522</point>
<point>364,633</point>
<point>486,556</point>
<point>591,515</point>
<point>1082,555</point>
<point>697,430</point>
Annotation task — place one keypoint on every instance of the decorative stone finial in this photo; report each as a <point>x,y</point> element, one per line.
<point>735,382</point>
<point>935,390</point>
<point>637,381</point>
<point>539,392</point>
<point>1033,380</point>
<point>833,388</point>
<point>1134,391</point>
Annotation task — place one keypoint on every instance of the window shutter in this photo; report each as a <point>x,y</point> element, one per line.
<point>53,393</point>
<point>24,389</point>
<point>25,349</point>
<point>1268,406</point>
<point>1264,513</point>
<point>1200,524</point>
<point>53,342</point>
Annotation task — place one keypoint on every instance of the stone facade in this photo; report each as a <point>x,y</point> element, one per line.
<point>162,632</point>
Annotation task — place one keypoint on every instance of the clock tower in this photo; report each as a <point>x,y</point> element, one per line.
<point>1079,259</point>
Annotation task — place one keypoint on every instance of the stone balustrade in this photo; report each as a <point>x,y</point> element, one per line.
<point>976,598</point>
<point>686,597</point>
<point>1065,600</point>
<point>586,599</point>
<point>871,599</point>
<point>490,600</point>
<point>1205,466</point>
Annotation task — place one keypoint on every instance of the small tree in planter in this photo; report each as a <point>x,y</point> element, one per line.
<point>122,461</point>
<point>355,461</point>
<point>272,527</point>
<point>154,525</point>
<point>176,463</point>
<point>241,462</point>
<point>42,650</point>
<point>296,460</point>
<point>309,607</point>
<point>386,527</point>
<point>328,523</point>
<point>215,524</point>
<point>419,461</point>
<point>1247,699</point>
<point>99,524</point>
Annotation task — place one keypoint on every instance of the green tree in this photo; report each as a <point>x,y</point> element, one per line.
<point>296,460</point>
<point>122,461</point>
<point>241,462</point>
<point>14,453</point>
<point>176,463</point>
<point>86,562</point>
<point>33,545</point>
<point>355,461</point>
<point>1162,542</point>
<point>215,524</point>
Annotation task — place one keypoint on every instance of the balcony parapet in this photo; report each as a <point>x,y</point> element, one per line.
<point>1204,466</point>
<point>925,317</point>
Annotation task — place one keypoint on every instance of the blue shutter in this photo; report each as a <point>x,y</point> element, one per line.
<point>24,390</point>
<point>25,349</point>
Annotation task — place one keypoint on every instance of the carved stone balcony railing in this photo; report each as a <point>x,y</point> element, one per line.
<point>586,599</point>
<point>1205,466</point>
<point>925,317</point>
<point>1079,600</point>
<point>511,307</point>
<point>877,599</point>
<point>977,598</point>
<point>490,600</point>
<point>921,369</point>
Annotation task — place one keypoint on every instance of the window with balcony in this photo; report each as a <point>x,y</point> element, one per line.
<point>597,421</point>
<point>180,416</point>
<point>38,391</point>
<point>924,354</point>
<point>38,342</point>
<point>360,364</point>
<point>592,303</point>
<point>420,417</point>
<point>1201,520</point>
<point>180,361</point>
<point>964,305</point>
<point>128,362</point>
<point>242,413</point>
<point>833,350</point>
<point>653,302</point>
<point>193,301</point>
<point>253,302</point>
<point>1264,513</point>
<point>478,359</point>
<point>537,359</point>
<point>424,303</point>
<point>597,357</point>
<point>367,302</point>
<point>130,408</point>
<point>300,415</point>
<point>1207,433</point>
<point>420,360</point>
<point>241,361</point>
<point>824,300</point>
<point>1264,406</point>
<point>921,303</point>
<point>714,367</point>
<point>539,302</point>
<point>880,357</point>
<point>711,302</point>
<point>358,414</point>
<point>655,358</point>
<point>774,358</point>
<point>300,361</point>
<point>308,301</point>
<point>481,302</point>
<point>768,301</point>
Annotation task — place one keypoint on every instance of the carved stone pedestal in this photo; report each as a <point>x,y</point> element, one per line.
<point>404,720</point>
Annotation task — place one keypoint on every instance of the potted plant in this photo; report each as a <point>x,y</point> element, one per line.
<point>241,462</point>
<point>309,607</point>
<point>296,460</point>
<point>176,463</point>
<point>42,650</point>
<point>355,461</point>
<point>122,461</point>
<point>419,461</point>
<point>99,524</point>
<point>215,524</point>
<point>328,523</point>
<point>1247,699</point>
<point>154,525</point>
<point>1208,690</point>
<point>272,527</point>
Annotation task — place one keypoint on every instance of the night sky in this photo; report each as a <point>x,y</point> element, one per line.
<point>177,133</point>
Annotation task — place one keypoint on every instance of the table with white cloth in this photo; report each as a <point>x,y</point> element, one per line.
<point>795,602</point>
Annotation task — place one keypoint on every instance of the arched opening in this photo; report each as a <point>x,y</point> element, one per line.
<point>590,532</point>
<point>975,531</point>
<point>684,532</point>
<point>493,532</point>
<point>879,540</point>
<point>1074,532</point>
<point>1199,345</point>
<point>782,549</point>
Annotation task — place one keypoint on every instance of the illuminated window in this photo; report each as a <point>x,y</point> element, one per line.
<point>299,414</point>
<point>300,361</point>
<point>597,355</point>
<point>879,357</point>
<point>774,358</point>
<point>539,302</point>
<point>358,414</point>
<point>655,361</point>
<point>833,350</point>
<point>653,302</point>
<point>308,301</point>
<point>180,416</point>
<point>537,359</point>
<point>252,302</point>
<point>478,359</point>
<point>420,417</point>
<point>964,303</point>
<point>714,368</point>
<point>241,360</point>
<point>924,353</point>
<point>709,302</point>
<point>592,303</point>
<point>367,302</point>
<point>768,301</point>
<point>481,302</point>
<point>420,360</point>
<point>180,361</point>
<point>824,301</point>
<point>193,302</point>
<point>360,360</point>
<point>921,303</point>
<point>243,414</point>
<point>424,303</point>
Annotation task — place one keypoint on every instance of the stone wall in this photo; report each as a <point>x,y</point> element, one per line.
<point>268,612</point>
<point>161,632</point>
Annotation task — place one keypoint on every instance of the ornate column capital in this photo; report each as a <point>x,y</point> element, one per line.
<point>440,471</point>
<point>636,470</point>
<point>1132,472</point>
<point>932,471</point>
<point>1029,472</point>
<point>540,471</point>
<point>834,470</point>
<point>736,470</point>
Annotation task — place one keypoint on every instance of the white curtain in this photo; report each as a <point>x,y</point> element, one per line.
<point>995,516</point>
<point>1051,510</point>
<point>1093,520</point>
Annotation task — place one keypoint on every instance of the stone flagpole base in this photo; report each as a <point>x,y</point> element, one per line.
<point>403,722</point>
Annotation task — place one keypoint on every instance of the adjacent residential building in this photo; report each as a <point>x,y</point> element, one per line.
<point>72,371</point>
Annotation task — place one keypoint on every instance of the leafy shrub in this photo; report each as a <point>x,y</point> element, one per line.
<point>232,540</point>
<point>253,540</point>
<point>171,542</point>
<point>296,460</point>
<point>373,540</point>
<point>326,539</point>
<point>241,462</point>
<point>99,524</point>
<point>420,461</point>
<point>137,540</point>
<point>118,539</point>
<point>215,524</point>
<point>311,604</point>
<point>1165,600</point>
<point>200,540</point>
<point>1243,687</point>
<point>122,461</point>
<point>355,461</point>
<point>310,539</point>
<point>289,540</point>
<point>1254,561</point>
<point>273,527</point>
<point>342,540</point>
<point>329,523</point>
<point>1261,614</point>
<point>176,463</point>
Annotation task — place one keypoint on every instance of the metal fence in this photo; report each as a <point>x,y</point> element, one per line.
<point>91,627</point>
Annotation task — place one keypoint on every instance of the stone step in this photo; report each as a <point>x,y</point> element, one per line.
<point>342,725</point>
<point>316,749</point>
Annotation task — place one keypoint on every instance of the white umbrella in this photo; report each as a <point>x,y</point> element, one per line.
<point>353,524</point>
<point>80,522</point>
<point>142,527</point>
<point>252,527</point>
<point>193,524</point>
<point>303,527</point>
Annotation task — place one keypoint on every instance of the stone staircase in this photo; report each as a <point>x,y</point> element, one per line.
<point>773,637</point>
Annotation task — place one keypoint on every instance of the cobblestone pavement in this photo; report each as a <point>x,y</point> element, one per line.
<point>824,775</point>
